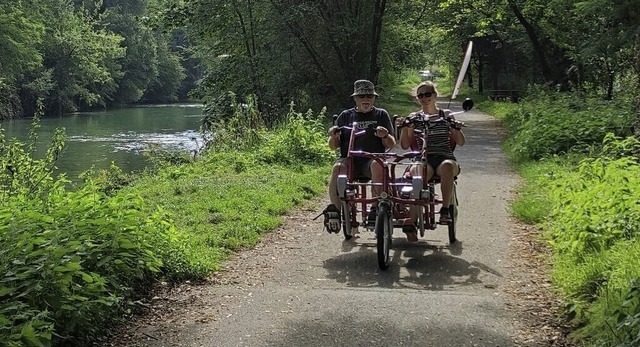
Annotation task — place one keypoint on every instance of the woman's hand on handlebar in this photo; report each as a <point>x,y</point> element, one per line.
<point>456,124</point>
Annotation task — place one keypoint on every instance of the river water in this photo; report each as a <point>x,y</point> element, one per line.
<point>95,139</point>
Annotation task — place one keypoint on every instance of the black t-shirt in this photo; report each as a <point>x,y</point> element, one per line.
<point>368,142</point>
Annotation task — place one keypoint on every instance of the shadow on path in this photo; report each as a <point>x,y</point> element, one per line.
<point>415,265</point>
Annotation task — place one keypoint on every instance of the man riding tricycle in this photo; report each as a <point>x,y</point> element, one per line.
<point>390,190</point>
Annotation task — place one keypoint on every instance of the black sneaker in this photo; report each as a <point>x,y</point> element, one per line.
<point>371,217</point>
<point>445,217</point>
<point>332,220</point>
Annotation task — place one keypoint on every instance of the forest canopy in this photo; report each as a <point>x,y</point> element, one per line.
<point>86,53</point>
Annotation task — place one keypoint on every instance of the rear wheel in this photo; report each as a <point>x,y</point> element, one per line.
<point>453,211</point>
<point>347,230</point>
<point>383,235</point>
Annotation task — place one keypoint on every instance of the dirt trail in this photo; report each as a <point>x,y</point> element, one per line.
<point>304,287</point>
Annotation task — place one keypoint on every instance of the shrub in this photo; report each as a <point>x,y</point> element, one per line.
<point>546,124</point>
<point>73,261</point>
<point>593,229</point>
<point>300,139</point>
<point>70,261</point>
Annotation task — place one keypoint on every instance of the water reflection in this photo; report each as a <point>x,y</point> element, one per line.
<point>135,142</point>
<point>96,139</point>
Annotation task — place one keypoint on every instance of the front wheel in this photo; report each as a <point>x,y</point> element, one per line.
<point>347,229</point>
<point>383,235</point>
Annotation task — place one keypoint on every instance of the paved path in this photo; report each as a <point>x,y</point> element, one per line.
<point>304,287</point>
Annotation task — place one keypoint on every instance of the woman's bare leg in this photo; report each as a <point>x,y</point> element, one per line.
<point>417,170</point>
<point>447,171</point>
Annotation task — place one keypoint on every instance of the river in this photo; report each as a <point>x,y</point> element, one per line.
<point>95,139</point>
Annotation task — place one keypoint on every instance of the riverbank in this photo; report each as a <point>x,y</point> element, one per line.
<point>77,261</point>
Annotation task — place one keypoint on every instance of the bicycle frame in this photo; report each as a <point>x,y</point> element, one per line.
<point>352,191</point>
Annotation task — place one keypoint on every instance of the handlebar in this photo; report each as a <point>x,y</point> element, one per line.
<point>425,120</point>
<point>348,128</point>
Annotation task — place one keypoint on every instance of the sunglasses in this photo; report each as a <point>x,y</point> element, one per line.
<point>368,96</point>
<point>424,95</point>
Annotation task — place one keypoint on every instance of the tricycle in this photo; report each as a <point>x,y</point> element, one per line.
<point>400,191</point>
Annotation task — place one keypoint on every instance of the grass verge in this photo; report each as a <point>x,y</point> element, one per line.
<point>224,203</point>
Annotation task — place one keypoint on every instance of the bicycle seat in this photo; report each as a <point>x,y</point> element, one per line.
<point>361,179</point>
<point>436,179</point>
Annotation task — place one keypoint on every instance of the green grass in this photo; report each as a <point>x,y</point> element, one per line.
<point>219,206</point>
<point>582,196</point>
<point>398,99</point>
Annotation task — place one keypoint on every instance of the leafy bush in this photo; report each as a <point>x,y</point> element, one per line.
<point>242,129</point>
<point>23,174</point>
<point>301,139</point>
<point>596,206</point>
<point>593,230</point>
<point>73,260</point>
<point>108,180</point>
<point>549,124</point>
<point>69,261</point>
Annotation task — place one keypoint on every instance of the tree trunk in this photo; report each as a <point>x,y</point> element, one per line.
<point>376,34</point>
<point>249,44</point>
<point>470,76</point>
<point>479,66</point>
<point>535,42</point>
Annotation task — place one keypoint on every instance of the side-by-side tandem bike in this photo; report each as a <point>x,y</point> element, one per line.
<point>400,192</point>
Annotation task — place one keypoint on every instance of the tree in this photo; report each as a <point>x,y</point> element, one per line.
<point>80,58</point>
<point>20,36</point>
<point>165,86</point>
<point>140,62</point>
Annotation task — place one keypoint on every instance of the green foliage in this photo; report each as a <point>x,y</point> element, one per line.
<point>301,139</point>
<point>81,59</point>
<point>164,86</point>
<point>596,207</point>
<point>108,180</point>
<point>140,61</point>
<point>77,256</point>
<point>583,194</point>
<point>398,97</point>
<point>593,231</point>
<point>549,124</point>
<point>268,49</point>
<point>83,54</point>
<point>21,34</point>
<point>240,129</point>
<point>70,261</point>
<point>628,316</point>
<point>21,174</point>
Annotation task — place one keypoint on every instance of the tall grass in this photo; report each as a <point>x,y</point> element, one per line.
<point>581,189</point>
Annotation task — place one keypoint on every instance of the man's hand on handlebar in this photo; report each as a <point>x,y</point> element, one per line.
<point>382,132</point>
